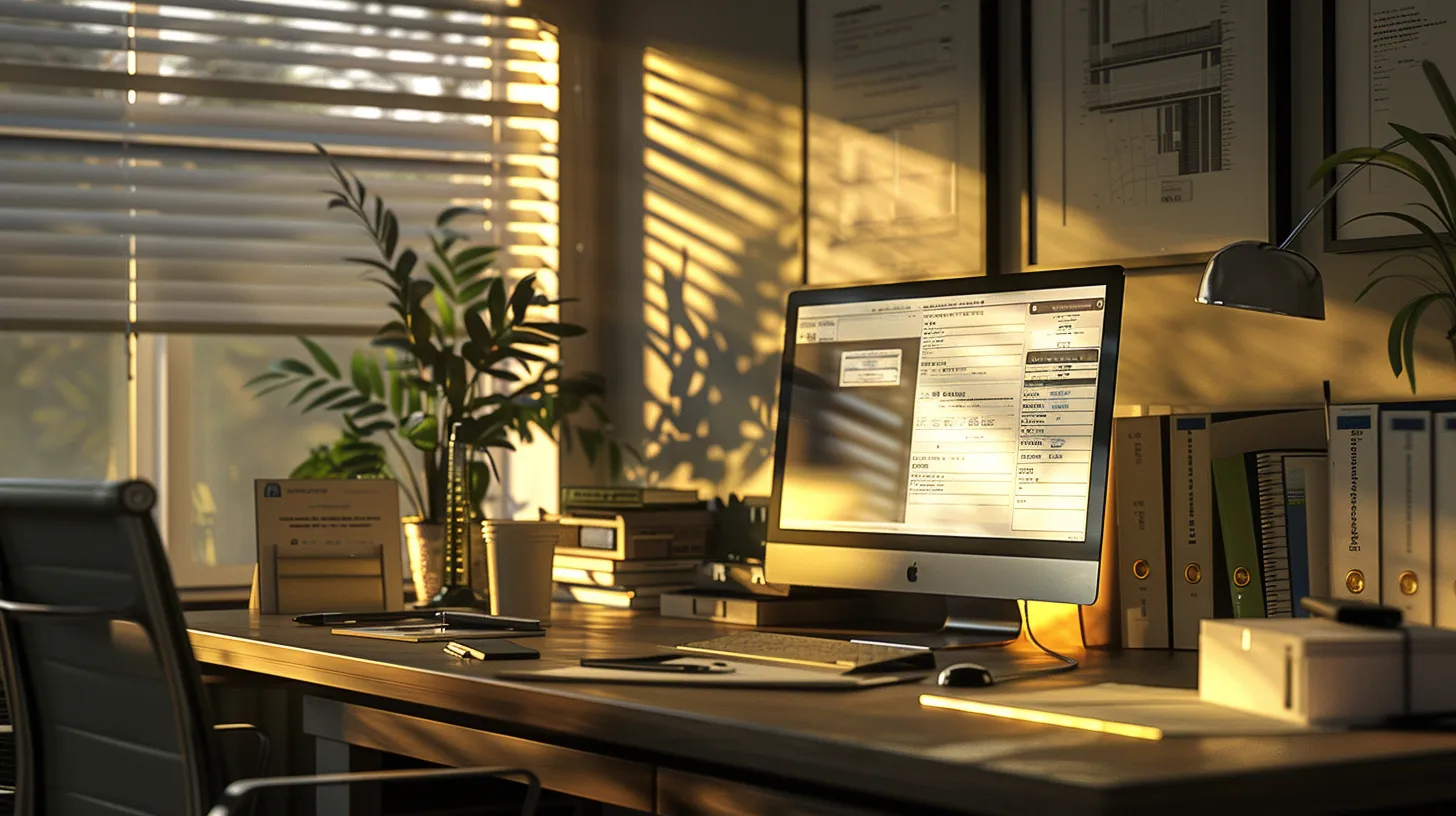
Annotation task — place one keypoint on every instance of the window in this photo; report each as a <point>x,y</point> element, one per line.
<point>164,230</point>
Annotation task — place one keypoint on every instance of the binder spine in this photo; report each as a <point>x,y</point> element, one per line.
<point>1444,543</point>
<point>1142,524</point>
<point>1274,550</point>
<point>1191,568</point>
<point>1405,513</point>
<point>1354,503</point>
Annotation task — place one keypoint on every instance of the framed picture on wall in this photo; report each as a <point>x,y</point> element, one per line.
<point>895,99</point>
<point>1373,51</point>
<point>1158,128</point>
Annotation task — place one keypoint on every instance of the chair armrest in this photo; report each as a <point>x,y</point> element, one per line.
<point>237,794</point>
<point>18,608</point>
<point>265,746</point>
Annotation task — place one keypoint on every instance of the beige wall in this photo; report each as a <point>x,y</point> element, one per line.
<point>706,159</point>
<point>696,356</point>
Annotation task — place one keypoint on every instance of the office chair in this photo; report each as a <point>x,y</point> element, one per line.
<point>107,701</point>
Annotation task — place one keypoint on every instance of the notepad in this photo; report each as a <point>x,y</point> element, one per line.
<point>1142,712</point>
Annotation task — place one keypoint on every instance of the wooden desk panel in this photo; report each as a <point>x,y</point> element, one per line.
<point>875,747</point>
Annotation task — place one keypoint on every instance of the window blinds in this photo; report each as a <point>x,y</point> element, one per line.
<point>155,159</point>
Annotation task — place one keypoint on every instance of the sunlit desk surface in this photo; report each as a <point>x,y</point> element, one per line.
<point>677,750</point>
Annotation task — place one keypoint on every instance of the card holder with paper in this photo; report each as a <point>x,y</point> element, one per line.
<point>315,577</point>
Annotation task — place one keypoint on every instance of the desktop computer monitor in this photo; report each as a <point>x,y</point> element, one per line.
<point>947,437</point>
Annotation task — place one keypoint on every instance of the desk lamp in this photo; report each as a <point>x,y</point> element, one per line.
<point>1264,278</point>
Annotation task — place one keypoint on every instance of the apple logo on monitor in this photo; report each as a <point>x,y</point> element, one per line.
<point>912,573</point>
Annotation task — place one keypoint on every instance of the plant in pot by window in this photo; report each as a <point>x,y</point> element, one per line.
<point>463,346</point>
<point>1434,220</point>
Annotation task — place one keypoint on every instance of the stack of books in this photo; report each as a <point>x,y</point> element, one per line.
<point>625,547</point>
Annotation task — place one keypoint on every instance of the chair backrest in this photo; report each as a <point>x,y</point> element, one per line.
<point>109,711</point>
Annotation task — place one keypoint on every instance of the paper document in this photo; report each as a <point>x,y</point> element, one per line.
<point>1144,712</point>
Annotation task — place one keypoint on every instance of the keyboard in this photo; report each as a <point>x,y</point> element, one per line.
<point>822,652</point>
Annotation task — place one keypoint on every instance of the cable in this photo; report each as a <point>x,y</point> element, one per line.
<point>1068,663</point>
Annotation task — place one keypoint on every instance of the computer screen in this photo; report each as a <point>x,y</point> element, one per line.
<point>963,415</point>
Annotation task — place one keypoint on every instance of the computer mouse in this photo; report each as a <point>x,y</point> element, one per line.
<point>966,675</point>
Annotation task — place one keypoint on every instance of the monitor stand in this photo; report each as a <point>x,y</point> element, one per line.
<point>969,623</point>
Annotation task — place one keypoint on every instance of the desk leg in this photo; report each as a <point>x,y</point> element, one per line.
<point>331,756</point>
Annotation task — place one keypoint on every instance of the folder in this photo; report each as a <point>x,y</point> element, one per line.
<point>1405,512</point>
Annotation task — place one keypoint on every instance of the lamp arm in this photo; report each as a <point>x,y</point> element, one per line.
<point>1329,196</point>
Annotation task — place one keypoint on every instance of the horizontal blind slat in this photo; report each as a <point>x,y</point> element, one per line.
<point>171,142</point>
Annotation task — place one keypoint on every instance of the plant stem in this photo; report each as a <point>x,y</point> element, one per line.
<point>414,481</point>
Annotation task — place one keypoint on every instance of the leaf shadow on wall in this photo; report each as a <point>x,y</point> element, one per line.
<point>721,225</point>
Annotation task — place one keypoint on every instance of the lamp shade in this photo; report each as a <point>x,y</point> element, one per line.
<point>1263,278</point>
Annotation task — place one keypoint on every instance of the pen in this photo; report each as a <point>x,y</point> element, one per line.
<point>463,652</point>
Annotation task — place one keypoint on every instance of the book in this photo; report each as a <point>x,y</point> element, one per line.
<point>1405,512</point>
<point>624,498</point>
<point>1198,591</point>
<point>1307,524</point>
<point>582,562</point>
<point>626,580</point>
<point>1140,467</point>
<point>1354,490</point>
<point>1190,493</point>
<point>646,598</point>
<point>1443,543</point>
<point>1240,538</point>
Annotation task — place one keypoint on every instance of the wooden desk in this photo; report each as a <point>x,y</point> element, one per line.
<point>676,750</point>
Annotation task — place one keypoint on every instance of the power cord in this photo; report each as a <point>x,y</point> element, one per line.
<point>1067,663</point>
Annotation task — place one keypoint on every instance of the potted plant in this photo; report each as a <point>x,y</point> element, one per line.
<point>463,347</point>
<point>1436,223</point>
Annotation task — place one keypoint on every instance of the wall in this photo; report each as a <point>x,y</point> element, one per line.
<point>705,154</point>
<point>702,204</point>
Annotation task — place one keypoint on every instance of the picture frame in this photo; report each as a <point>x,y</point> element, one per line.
<point>1112,207</point>
<point>1348,75</point>
<point>898,174</point>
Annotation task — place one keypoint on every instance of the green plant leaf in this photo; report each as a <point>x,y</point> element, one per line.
<point>1440,169</point>
<point>321,357</point>
<point>442,280</point>
<point>349,403</point>
<point>376,427</point>
<point>1424,229</point>
<point>376,379</point>
<point>521,296</point>
<point>1412,326</point>
<point>292,366</point>
<point>1392,276</point>
<point>359,366</point>
<point>456,384</point>
<point>520,336</point>
<point>477,330</point>
<point>390,237</point>
<point>474,254</point>
<point>451,213</point>
<point>1441,92</point>
<point>471,292</point>
<point>308,389</point>
<point>502,374</point>
<point>375,264</point>
<point>556,329</point>
<point>495,303</point>
<point>266,376</point>
<point>447,316</point>
<point>422,331</point>
<point>396,392</point>
<point>404,266</point>
<point>327,397</point>
<point>372,409</point>
<point>422,431</point>
<point>270,389</point>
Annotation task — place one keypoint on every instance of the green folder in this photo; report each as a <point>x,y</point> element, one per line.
<point>1233,494</point>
